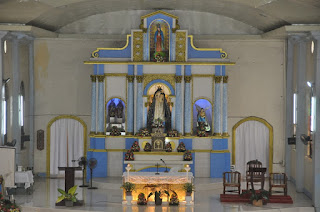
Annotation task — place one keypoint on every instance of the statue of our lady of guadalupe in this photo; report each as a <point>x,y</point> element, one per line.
<point>159,112</point>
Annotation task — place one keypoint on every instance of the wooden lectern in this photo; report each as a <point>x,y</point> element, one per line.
<point>69,182</point>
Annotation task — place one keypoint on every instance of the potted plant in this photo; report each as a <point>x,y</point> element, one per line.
<point>257,198</point>
<point>69,197</point>
<point>128,187</point>
<point>189,188</point>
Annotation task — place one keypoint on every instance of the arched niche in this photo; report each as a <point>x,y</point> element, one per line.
<point>159,32</point>
<point>200,107</point>
<point>115,111</point>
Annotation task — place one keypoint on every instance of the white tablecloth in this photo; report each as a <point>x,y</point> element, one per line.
<point>24,177</point>
<point>162,178</point>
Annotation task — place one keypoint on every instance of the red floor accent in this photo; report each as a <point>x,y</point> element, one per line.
<point>245,198</point>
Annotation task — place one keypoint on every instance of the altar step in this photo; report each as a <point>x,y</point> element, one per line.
<point>245,199</point>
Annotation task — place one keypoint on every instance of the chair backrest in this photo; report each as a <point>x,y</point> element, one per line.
<point>231,177</point>
<point>278,179</point>
<point>254,164</point>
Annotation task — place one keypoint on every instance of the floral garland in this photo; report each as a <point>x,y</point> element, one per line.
<point>7,205</point>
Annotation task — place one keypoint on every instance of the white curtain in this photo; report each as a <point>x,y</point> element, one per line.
<point>252,142</point>
<point>66,144</point>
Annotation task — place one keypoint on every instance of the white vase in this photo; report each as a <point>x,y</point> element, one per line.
<point>129,199</point>
<point>188,200</point>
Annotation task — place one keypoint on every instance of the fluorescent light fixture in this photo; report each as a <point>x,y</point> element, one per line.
<point>312,46</point>
<point>295,108</point>
<point>313,113</point>
<point>309,84</point>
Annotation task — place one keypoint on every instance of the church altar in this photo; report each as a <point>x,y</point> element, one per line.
<point>157,92</point>
<point>147,182</point>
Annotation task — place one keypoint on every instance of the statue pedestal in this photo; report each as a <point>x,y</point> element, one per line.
<point>160,129</point>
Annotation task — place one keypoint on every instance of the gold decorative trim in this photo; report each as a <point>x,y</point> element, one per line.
<point>263,121</point>
<point>218,79</point>
<point>100,78</point>
<point>93,78</point>
<point>203,75</point>
<point>116,150</point>
<point>187,79</point>
<point>181,46</point>
<point>141,26</point>
<point>170,78</point>
<point>48,138</point>
<point>177,27</point>
<point>137,44</point>
<point>95,53</point>
<point>225,134</point>
<point>217,134</point>
<point>92,133</point>
<point>187,134</point>
<point>178,79</point>
<point>101,133</point>
<point>115,74</point>
<point>223,53</point>
<point>129,133</point>
<point>97,150</point>
<point>220,151</point>
<point>159,12</point>
<point>130,78</point>
<point>225,79</point>
<point>90,62</point>
<point>139,78</point>
<point>98,136</point>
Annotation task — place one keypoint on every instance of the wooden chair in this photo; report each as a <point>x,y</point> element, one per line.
<point>231,179</point>
<point>256,176</point>
<point>278,180</point>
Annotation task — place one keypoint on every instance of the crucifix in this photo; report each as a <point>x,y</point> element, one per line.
<point>157,169</point>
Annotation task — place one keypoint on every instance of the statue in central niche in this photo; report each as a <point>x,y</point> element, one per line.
<point>159,114</point>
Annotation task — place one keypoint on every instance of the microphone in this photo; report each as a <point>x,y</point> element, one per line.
<point>165,165</point>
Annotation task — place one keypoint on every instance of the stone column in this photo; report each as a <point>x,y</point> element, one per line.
<point>217,106</point>
<point>16,128</point>
<point>101,109</point>
<point>316,139</point>
<point>31,102</point>
<point>225,107</point>
<point>130,108</point>
<point>178,104</point>
<point>301,111</point>
<point>93,129</point>
<point>289,104</point>
<point>187,106</point>
<point>139,109</point>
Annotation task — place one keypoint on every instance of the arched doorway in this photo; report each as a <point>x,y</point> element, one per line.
<point>252,138</point>
<point>66,141</point>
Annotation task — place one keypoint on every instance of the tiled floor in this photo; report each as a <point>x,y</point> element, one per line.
<point>108,197</point>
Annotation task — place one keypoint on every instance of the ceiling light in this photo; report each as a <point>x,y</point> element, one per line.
<point>309,84</point>
<point>312,46</point>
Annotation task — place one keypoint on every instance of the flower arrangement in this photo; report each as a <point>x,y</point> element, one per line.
<point>158,123</point>
<point>135,147</point>
<point>174,200</point>
<point>187,156</point>
<point>7,205</point>
<point>141,199</point>
<point>144,132</point>
<point>173,133</point>
<point>147,147</point>
<point>168,147</point>
<point>257,198</point>
<point>181,147</point>
<point>115,131</point>
<point>129,155</point>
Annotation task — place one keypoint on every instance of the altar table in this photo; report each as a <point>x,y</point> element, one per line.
<point>162,178</point>
<point>24,177</point>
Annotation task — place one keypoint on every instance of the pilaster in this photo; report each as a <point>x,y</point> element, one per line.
<point>93,129</point>
<point>139,108</point>
<point>100,127</point>
<point>130,97</point>
<point>225,106</point>
<point>187,105</point>
<point>178,104</point>
<point>217,106</point>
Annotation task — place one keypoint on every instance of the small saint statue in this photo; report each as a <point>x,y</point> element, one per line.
<point>202,122</point>
<point>119,110</point>
<point>112,108</point>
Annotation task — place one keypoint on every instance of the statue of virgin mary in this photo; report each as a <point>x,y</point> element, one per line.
<point>159,113</point>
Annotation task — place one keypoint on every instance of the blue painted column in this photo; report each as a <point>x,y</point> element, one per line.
<point>301,110</point>
<point>130,97</point>
<point>178,104</point>
<point>187,101</point>
<point>93,104</point>
<point>173,47</point>
<point>225,107</point>
<point>139,103</point>
<point>145,47</point>
<point>316,139</point>
<point>217,106</point>
<point>100,114</point>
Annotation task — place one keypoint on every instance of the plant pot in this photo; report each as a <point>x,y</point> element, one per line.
<point>188,193</point>
<point>257,203</point>
<point>68,203</point>
<point>188,199</point>
<point>129,199</point>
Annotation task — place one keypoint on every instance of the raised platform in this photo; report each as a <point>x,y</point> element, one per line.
<point>245,199</point>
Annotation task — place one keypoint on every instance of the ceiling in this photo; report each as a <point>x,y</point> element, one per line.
<point>264,15</point>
